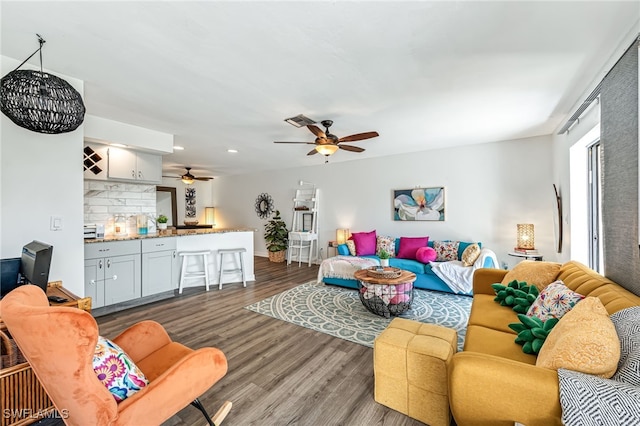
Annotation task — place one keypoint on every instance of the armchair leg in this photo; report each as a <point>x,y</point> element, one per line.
<point>218,417</point>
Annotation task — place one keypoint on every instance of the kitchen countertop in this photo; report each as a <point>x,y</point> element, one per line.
<point>178,233</point>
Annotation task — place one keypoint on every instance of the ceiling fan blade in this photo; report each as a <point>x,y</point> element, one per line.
<point>359,137</point>
<point>173,177</point>
<point>351,148</point>
<point>313,151</point>
<point>310,143</point>
<point>203,178</point>
<point>316,131</point>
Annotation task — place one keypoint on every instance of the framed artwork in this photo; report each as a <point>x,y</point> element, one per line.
<point>419,204</point>
<point>190,202</point>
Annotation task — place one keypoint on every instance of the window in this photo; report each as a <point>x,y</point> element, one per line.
<point>596,257</point>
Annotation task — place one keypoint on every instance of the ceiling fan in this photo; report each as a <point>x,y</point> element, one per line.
<point>327,143</point>
<point>188,178</point>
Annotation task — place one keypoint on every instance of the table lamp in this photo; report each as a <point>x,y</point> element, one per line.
<point>342,235</point>
<point>525,239</point>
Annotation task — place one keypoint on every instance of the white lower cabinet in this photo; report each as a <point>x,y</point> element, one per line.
<point>160,266</point>
<point>112,272</point>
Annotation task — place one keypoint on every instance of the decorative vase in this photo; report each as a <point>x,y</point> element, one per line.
<point>384,262</point>
<point>162,226</point>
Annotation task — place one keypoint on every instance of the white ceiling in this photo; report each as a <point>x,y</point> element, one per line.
<point>221,75</point>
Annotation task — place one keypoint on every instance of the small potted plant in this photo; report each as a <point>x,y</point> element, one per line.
<point>276,236</point>
<point>162,222</point>
<point>384,257</point>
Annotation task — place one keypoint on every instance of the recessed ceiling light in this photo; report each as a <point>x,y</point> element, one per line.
<point>178,148</point>
<point>233,151</point>
<point>118,145</point>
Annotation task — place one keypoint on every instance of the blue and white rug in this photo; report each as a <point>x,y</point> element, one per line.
<point>338,311</point>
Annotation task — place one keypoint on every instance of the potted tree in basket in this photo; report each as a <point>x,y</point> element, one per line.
<point>276,236</point>
<point>162,222</point>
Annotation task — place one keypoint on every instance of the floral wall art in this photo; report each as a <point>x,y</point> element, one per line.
<point>418,204</point>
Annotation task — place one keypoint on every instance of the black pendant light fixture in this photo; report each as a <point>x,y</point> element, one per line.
<point>39,101</point>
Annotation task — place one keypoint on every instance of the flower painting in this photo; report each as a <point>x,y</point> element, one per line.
<point>418,204</point>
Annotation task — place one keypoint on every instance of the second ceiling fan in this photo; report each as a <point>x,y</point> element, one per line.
<point>327,143</point>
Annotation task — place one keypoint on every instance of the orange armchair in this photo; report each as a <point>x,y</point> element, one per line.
<point>59,343</point>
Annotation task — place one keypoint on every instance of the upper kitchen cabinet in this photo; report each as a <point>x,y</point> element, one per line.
<point>134,166</point>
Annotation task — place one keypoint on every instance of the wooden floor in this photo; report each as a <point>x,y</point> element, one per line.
<point>279,373</point>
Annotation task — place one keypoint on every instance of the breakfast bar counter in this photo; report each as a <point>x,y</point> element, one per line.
<point>124,271</point>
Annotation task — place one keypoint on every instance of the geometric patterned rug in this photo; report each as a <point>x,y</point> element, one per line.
<point>337,311</point>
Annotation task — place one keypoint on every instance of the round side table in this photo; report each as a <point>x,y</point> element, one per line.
<point>386,296</point>
<point>536,257</point>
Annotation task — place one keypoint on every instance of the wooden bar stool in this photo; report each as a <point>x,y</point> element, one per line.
<point>204,273</point>
<point>240,252</point>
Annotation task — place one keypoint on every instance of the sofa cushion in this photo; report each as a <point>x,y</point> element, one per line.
<point>554,301</point>
<point>365,242</point>
<point>485,312</point>
<point>343,250</point>
<point>584,340</point>
<point>351,246</point>
<point>426,255</point>
<point>493,342</point>
<point>408,265</point>
<point>539,274</point>
<point>470,254</point>
<point>410,245</point>
<point>462,246</point>
<point>116,371</point>
<point>387,244</point>
<point>446,250</point>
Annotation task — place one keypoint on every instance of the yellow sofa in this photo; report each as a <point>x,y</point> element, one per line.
<point>492,382</point>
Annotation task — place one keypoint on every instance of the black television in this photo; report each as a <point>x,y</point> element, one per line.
<point>10,276</point>
<point>35,263</point>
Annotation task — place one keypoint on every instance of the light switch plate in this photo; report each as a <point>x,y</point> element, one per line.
<point>56,223</point>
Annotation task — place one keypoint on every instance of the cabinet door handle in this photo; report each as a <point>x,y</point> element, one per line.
<point>174,254</point>
<point>108,263</point>
<point>133,174</point>
<point>100,264</point>
<point>159,245</point>
<point>139,175</point>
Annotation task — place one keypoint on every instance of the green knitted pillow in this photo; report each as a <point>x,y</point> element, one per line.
<point>517,294</point>
<point>532,332</point>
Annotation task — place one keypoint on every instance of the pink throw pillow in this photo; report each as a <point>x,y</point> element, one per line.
<point>365,243</point>
<point>410,245</point>
<point>426,255</point>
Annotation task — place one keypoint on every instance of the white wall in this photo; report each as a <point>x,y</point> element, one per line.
<point>40,177</point>
<point>489,189</point>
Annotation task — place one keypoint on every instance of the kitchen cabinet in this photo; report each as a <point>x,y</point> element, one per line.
<point>134,166</point>
<point>112,272</point>
<point>160,265</point>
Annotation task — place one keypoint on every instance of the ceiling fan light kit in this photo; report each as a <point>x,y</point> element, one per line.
<point>327,144</point>
<point>188,178</point>
<point>39,101</point>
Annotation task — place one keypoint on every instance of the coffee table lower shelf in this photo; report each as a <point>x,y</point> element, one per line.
<point>385,296</point>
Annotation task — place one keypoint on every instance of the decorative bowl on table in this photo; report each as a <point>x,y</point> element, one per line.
<point>191,222</point>
<point>386,272</point>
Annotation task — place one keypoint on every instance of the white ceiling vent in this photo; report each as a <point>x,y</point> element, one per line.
<point>299,120</point>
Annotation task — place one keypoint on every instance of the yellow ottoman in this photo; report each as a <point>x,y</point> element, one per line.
<point>410,361</point>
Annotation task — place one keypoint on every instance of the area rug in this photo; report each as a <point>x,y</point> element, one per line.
<point>338,311</point>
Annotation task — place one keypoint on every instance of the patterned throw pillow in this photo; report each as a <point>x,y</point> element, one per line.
<point>554,301</point>
<point>387,244</point>
<point>470,254</point>
<point>116,371</point>
<point>446,250</point>
<point>351,245</point>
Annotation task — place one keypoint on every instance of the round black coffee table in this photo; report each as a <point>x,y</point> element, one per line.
<point>386,296</point>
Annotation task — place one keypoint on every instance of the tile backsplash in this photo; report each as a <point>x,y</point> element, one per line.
<point>104,199</point>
